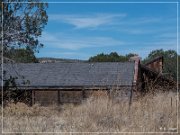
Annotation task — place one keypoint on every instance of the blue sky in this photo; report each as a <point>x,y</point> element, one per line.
<point>79,31</point>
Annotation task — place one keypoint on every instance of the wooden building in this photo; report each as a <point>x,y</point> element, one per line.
<point>56,83</point>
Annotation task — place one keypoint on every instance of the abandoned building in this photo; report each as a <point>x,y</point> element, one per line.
<point>72,82</point>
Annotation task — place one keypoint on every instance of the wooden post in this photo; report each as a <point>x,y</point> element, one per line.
<point>171,105</point>
<point>130,98</point>
<point>108,94</point>
<point>59,100</point>
<point>83,93</point>
<point>33,97</point>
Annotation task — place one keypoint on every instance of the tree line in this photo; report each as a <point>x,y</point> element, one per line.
<point>112,57</point>
<point>170,60</point>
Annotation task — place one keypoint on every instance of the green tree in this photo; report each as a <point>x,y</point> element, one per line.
<point>22,23</point>
<point>131,55</point>
<point>21,55</point>
<point>112,57</point>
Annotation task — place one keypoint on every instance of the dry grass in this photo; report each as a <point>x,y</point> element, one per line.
<point>152,113</point>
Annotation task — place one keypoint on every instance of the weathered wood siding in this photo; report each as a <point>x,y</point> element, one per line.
<point>70,96</point>
<point>56,97</point>
<point>45,97</point>
<point>122,94</point>
<point>156,64</point>
<point>96,94</point>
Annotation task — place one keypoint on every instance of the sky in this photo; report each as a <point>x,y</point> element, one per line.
<point>82,30</point>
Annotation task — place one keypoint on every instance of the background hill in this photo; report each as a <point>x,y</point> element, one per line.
<point>53,60</point>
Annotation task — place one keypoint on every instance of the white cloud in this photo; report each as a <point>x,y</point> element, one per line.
<point>86,21</point>
<point>61,45</point>
<point>76,43</point>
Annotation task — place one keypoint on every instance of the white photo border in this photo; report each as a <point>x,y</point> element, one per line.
<point>88,2</point>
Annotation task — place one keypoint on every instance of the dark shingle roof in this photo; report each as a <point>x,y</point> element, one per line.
<point>72,74</point>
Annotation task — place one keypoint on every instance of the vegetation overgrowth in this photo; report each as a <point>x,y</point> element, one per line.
<point>150,113</point>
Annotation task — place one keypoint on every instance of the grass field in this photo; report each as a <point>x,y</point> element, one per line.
<point>151,113</point>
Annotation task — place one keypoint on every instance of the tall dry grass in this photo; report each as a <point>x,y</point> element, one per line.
<point>151,113</point>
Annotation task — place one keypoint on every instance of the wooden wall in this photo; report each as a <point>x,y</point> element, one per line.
<point>56,97</point>
<point>156,64</point>
<point>45,97</point>
<point>70,96</point>
<point>49,97</point>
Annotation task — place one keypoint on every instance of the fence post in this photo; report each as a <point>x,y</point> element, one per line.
<point>130,97</point>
